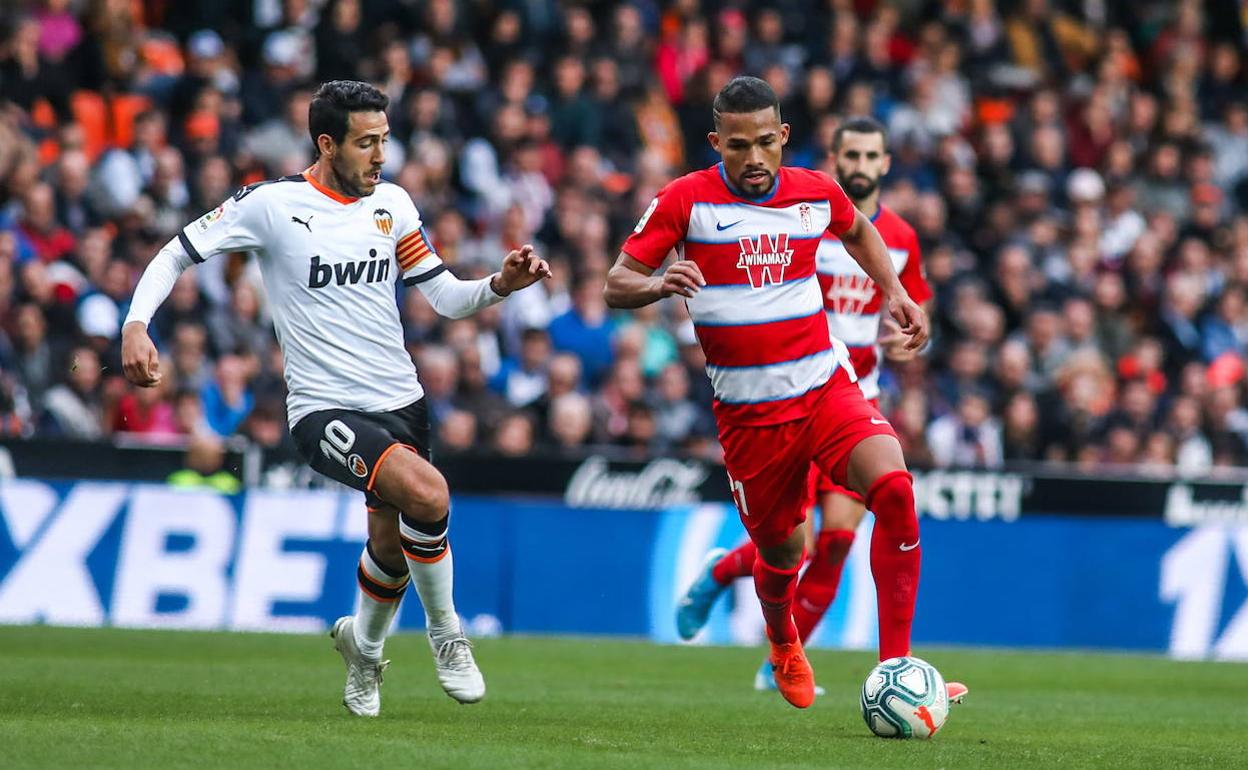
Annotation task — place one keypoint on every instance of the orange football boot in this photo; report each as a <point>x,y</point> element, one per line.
<point>795,679</point>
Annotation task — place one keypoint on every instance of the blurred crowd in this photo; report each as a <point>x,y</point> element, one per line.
<point>1077,173</point>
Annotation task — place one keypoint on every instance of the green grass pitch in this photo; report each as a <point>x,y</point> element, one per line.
<point>137,699</point>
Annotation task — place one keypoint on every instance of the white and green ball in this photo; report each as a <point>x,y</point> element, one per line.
<point>904,698</point>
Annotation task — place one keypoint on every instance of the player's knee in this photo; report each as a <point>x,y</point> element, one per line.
<point>427,497</point>
<point>891,498</point>
<point>785,555</point>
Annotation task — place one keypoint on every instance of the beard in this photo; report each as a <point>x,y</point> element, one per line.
<point>756,187</point>
<point>859,186</point>
<point>350,184</point>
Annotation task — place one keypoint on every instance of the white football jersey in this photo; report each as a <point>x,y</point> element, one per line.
<point>329,265</point>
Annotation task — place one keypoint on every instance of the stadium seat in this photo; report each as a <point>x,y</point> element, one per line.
<point>91,113</point>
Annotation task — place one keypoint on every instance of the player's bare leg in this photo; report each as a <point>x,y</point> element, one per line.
<point>410,483</point>
<point>877,470</point>
<point>775,580</point>
<point>383,577</point>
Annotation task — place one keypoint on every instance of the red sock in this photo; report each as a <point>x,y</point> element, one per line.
<point>737,563</point>
<point>895,557</point>
<point>775,589</point>
<point>817,588</point>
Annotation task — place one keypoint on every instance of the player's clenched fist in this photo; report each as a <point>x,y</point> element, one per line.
<point>521,268</point>
<point>683,278</point>
<point>893,341</point>
<point>911,318</point>
<point>139,359</point>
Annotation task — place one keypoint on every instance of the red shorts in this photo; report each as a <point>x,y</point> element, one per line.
<point>820,485</point>
<point>769,465</point>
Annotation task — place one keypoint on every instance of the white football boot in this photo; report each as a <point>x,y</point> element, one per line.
<point>362,694</point>
<point>457,669</point>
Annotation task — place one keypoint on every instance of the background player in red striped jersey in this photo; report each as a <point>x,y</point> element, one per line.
<point>854,307</point>
<point>747,231</point>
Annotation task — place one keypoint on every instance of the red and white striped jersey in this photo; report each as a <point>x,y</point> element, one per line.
<point>760,317</point>
<point>853,301</point>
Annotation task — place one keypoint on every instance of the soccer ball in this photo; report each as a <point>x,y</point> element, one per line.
<point>904,698</point>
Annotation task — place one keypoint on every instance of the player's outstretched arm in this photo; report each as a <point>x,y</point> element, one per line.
<point>139,360</point>
<point>454,298</point>
<point>864,244</point>
<point>631,283</point>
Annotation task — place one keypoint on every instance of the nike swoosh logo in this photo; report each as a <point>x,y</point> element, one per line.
<point>722,227</point>
<point>878,422</point>
<point>904,547</point>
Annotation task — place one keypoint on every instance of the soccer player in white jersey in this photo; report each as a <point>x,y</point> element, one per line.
<point>331,242</point>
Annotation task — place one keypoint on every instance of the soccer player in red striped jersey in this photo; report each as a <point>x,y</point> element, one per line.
<point>854,307</point>
<point>747,231</point>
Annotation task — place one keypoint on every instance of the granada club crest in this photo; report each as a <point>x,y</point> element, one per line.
<point>803,211</point>
<point>383,220</point>
<point>765,258</point>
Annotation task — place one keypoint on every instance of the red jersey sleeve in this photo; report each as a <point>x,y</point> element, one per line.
<point>664,225</point>
<point>912,277</point>
<point>842,209</point>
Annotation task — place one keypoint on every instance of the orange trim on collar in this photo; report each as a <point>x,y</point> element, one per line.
<point>343,199</point>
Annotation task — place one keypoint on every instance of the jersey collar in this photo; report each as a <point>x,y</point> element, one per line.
<point>343,199</point>
<point>740,194</point>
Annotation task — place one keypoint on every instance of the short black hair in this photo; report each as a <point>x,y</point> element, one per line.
<point>745,94</point>
<point>859,125</point>
<point>333,103</point>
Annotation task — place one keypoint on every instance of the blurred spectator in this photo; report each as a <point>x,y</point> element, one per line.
<point>39,225</point>
<point>205,468</point>
<point>26,73</point>
<point>282,143</point>
<point>146,411</point>
<point>34,360</point>
<point>522,380</point>
<point>457,431</point>
<point>264,92</point>
<point>586,328</point>
<point>571,422</point>
<point>239,327</point>
<point>515,435</point>
<point>676,416</point>
<point>340,41</point>
<point>74,407</point>
<point>439,373</point>
<point>968,436</point>
<point>227,400</point>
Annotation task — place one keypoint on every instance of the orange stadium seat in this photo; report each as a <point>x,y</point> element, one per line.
<point>44,118</point>
<point>125,108</point>
<point>91,113</point>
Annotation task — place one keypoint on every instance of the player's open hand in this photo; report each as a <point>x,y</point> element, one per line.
<point>139,359</point>
<point>683,277</point>
<point>521,268</point>
<point>911,319</point>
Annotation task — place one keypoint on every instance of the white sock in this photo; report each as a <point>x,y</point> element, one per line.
<point>380,592</point>
<point>432,568</point>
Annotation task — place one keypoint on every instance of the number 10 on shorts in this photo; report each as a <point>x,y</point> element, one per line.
<point>338,441</point>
